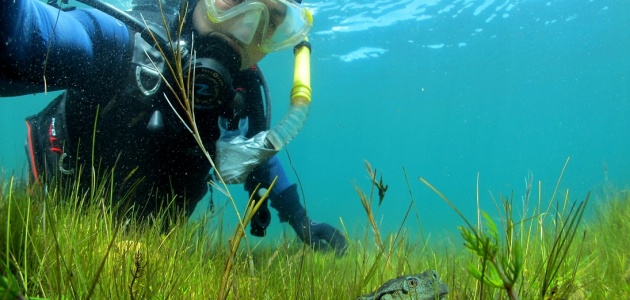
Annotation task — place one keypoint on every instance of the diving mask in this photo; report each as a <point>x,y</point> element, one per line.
<point>280,24</point>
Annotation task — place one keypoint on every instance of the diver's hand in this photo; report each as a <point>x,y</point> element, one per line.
<point>321,236</point>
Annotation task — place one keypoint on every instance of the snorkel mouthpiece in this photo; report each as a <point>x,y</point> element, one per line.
<point>220,49</point>
<point>214,64</point>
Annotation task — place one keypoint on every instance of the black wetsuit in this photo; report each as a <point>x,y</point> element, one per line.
<point>89,53</point>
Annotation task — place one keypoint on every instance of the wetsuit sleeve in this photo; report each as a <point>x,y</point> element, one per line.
<point>265,174</point>
<point>76,49</point>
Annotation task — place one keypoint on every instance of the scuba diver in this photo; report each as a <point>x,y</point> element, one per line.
<point>119,112</point>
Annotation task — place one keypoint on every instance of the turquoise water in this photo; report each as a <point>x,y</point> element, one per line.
<point>447,90</point>
<point>452,89</point>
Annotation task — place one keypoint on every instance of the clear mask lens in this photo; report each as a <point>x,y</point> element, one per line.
<point>245,29</point>
<point>281,23</point>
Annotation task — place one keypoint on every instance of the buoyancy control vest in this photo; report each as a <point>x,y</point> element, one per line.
<point>129,128</point>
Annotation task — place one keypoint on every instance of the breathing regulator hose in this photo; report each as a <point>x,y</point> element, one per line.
<point>300,101</point>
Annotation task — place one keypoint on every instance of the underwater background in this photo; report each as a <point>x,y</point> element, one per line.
<point>446,91</point>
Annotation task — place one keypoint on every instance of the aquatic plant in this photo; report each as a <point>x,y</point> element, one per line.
<point>397,249</point>
<point>70,245</point>
<point>502,259</point>
<point>74,250</point>
<point>183,92</point>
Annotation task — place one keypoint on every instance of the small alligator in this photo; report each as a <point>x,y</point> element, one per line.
<point>423,286</point>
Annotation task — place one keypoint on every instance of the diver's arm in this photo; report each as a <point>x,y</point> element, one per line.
<point>265,173</point>
<point>41,45</point>
<point>286,200</point>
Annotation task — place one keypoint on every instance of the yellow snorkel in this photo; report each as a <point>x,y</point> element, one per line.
<point>237,155</point>
<point>294,119</point>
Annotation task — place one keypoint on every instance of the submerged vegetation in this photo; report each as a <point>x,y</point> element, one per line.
<point>63,243</point>
<point>72,245</point>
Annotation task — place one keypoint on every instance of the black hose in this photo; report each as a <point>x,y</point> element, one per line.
<point>133,23</point>
<point>263,83</point>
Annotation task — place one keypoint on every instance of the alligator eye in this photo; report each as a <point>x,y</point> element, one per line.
<point>412,282</point>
